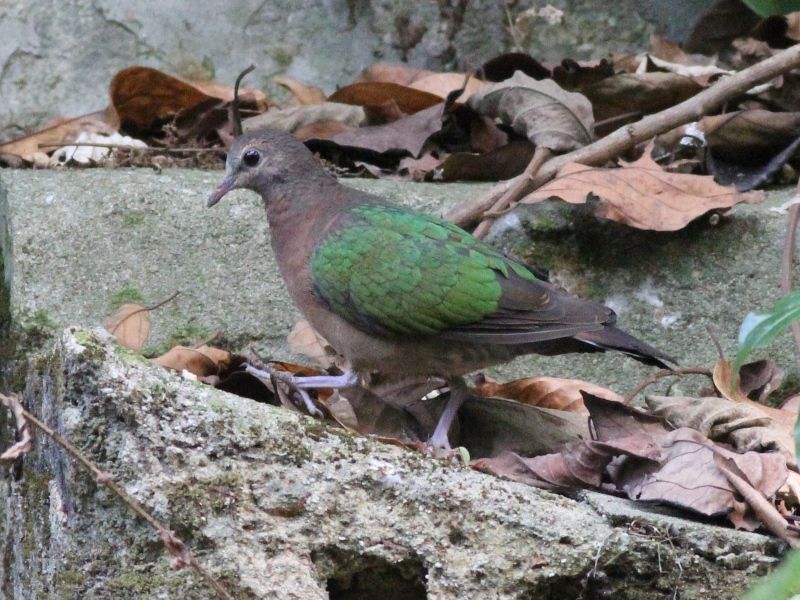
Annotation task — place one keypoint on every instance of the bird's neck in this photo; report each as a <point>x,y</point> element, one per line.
<point>299,215</point>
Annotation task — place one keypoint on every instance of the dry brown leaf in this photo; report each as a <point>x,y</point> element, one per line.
<point>401,74</point>
<point>130,325</point>
<point>404,137</point>
<point>544,112</point>
<point>759,379</point>
<point>744,425</point>
<point>548,392</point>
<point>194,360</point>
<point>60,133</point>
<point>490,426</point>
<point>644,94</point>
<point>641,194</point>
<point>298,117</point>
<point>304,93</point>
<point>143,96</point>
<point>615,420</point>
<point>503,66</point>
<point>689,477</point>
<point>376,93</point>
<point>442,84</point>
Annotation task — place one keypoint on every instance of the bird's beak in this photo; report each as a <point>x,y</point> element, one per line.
<point>225,186</point>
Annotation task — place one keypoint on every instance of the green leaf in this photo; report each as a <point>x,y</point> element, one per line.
<point>758,330</point>
<point>765,8</point>
<point>782,584</point>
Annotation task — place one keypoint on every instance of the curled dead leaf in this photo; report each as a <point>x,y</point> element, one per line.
<point>743,425</point>
<point>376,93</point>
<point>543,111</point>
<point>642,194</point>
<point>548,392</point>
<point>142,96</point>
<point>203,361</point>
<point>304,93</point>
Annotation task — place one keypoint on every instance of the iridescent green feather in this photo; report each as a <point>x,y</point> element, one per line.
<point>392,271</point>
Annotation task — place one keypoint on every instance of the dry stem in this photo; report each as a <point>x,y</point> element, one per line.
<point>181,555</point>
<point>653,377</point>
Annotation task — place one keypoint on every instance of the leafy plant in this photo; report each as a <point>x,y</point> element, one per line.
<point>759,329</point>
<point>783,583</point>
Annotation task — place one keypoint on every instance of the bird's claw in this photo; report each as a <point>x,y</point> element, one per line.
<point>299,385</point>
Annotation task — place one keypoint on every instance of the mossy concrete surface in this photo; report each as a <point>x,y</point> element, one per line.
<point>81,242</point>
<point>276,505</point>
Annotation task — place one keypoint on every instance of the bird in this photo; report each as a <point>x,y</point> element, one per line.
<point>404,293</point>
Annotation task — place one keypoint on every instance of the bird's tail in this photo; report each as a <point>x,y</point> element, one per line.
<point>611,338</point>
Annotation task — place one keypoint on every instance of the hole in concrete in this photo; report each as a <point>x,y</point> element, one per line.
<point>403,580</point>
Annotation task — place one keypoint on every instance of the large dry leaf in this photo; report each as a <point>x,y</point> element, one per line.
<point>383,144</point>
<point>202,361</point>
<point>142,96</point>
<point>60,133</point>
<point>547,392</point>
<point>689,477</point>
<point>297,117</point>
<point>491,426</point>
<point>641,194</point>
<point>743,425</point>
<point>130,325</point>
<point>645,93</point>
<point>611,420</point>
<point>545,113</point>
<point>376,93</point>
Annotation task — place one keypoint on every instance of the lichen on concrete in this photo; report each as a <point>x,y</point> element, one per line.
<point>275,504</point>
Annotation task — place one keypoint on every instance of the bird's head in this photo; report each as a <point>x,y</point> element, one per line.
<point>263,160</point>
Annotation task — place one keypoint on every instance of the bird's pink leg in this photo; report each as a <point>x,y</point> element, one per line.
<point>301,384</point>
<point>458,393</point>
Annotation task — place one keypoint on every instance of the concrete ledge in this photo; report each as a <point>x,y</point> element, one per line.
<point>278,505</point>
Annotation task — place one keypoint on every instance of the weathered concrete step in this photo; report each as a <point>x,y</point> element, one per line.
<point>76,242</point>
<point>277,505</point>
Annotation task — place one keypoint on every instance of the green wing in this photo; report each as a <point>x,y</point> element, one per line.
<point>390,271</point>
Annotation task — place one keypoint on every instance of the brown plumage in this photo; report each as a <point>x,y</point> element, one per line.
<point>403,293</point>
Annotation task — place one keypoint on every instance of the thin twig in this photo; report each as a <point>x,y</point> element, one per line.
<point>180,554</point>
<point>769,516</point>
<point>787,261</point>
<point>540,156</point>
<point>715,340</point>
<point>155,306</point>
<point>24,439</point>
<point>235,116</point>
<point>653,377</point>
<point>627,136</point>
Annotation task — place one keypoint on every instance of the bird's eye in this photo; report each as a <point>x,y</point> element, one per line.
<point>251,158</point>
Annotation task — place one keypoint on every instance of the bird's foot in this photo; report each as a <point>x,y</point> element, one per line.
<point>439,442</point>
<point>300,384</point>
